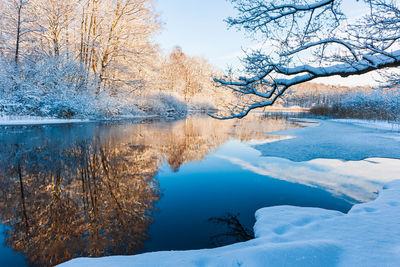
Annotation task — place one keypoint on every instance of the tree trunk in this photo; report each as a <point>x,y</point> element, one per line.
<point>18,32</point>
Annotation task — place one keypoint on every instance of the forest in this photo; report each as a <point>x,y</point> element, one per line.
<point>96,59</point>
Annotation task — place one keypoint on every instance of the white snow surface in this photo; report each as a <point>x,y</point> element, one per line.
<point>33,120</point>
<point>374,124</point>
<point>369,235</point>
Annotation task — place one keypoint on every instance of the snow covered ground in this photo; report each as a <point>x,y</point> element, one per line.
<point>374,124</point>
<point>369,235</point>
<point>35,120</point>
<point>32,120</point>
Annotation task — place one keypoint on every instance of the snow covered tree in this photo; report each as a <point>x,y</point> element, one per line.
<point>55,51</point>
<point>16,27</point>
<point>309,39</point>
<point>53,18</point>
<point>115,39</point>
<point>185,75</point>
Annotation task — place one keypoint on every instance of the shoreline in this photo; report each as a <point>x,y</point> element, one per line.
<point>298,236</point>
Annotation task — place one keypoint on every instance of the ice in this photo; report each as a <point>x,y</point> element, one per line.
<point>334,140</point>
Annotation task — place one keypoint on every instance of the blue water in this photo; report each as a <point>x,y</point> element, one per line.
<point>129,187</point>
<point>215,187</point>
<point>9,257</point>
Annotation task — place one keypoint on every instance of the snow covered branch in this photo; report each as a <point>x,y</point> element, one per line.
<point>309,39</point>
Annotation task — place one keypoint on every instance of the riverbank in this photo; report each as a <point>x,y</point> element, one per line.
<point>36,120</point>
<point>33,120</point>
<point>374,105</point>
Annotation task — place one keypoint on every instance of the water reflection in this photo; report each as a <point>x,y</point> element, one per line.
<point>89,200</point>
<point>89,190</point>
<point>235,231</point>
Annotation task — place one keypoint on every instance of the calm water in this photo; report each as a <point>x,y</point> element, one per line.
<point>117,188</point>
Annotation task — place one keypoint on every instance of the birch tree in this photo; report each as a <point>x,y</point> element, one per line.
<point>309,39</point>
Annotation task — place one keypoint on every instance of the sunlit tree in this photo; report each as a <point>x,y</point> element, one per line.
<point>188,76</point>
<point>17,28</point>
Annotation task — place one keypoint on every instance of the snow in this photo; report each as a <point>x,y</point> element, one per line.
<point>350,179</point>
<point>374,124</point>
<point>269,140</point>
<point>334,140</point>
<point>33,120</point>
<point>369,235</point>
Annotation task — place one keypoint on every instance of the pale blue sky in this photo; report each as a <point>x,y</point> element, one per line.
<point>198,27</point>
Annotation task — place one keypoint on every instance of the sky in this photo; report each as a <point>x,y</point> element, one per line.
<point>198,27</point>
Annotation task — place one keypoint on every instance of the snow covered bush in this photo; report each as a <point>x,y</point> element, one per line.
<point>48,87</point>
<point>377,104</point>
<point>202,103</point>
<point>55,87</point>
<point>163,104</point>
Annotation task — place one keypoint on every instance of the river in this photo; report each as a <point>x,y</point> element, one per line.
<point>128,187</point>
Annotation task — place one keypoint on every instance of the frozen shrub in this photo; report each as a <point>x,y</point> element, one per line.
<point>55,87</point>
<point>377,104</point>
<point>163,104</point>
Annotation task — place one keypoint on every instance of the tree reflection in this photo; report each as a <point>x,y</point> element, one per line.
<point>192,139</point>
<point>89,191</point>
<point>235,231</point>
<point>90,200</point>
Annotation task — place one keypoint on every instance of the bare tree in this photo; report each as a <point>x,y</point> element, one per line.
<point>309,39</point>
<point>115,39</point>
<point>53,18</point>
<point>17,26</point>
<point>188,76</point>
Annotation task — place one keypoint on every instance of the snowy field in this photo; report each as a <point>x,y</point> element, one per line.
<point>369,235</point>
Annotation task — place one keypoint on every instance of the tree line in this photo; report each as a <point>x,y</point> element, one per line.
<point>111,38</point>
<point>93,58</point>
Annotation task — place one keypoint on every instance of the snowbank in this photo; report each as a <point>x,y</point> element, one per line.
<point>369,235</point>
<point>374,124</point>
<point>33,120</point>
